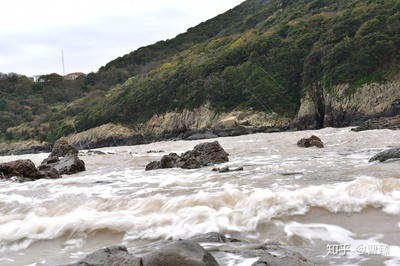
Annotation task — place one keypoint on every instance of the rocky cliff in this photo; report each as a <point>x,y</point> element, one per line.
<point>202,122</point>
<point>342,106</point>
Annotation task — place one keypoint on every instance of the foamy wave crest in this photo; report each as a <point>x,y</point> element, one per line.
<point>161,217</point>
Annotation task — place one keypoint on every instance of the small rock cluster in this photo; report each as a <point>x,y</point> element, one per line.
<point>62,160</point>
<point>203,154</point>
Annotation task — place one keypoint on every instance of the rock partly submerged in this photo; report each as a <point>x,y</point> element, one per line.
<point>190,252</point>
<point>203,154</point>
<point>386,155</point>
<point>62,160</point>
<point>311,141</point>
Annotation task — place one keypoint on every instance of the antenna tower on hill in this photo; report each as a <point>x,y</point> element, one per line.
<point>62,58</point>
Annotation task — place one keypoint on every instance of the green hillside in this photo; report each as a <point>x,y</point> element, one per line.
<point>261,55</point>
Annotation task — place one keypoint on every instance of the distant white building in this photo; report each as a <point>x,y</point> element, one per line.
<point>35,78</point>
<point>74,75</point>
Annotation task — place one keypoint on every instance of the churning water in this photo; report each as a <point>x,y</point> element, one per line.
<point>330,204</point>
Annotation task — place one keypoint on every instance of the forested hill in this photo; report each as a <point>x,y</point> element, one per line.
<point>261,55</point>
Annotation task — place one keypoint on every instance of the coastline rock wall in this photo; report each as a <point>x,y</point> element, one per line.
<point>337,107</point>
<point>178,125</point>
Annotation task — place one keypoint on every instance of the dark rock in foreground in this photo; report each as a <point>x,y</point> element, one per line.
<point>386,155</point>
<point>203,154</point>
<point>191,253</point>
<point>380,123</point>
<point>291,259</point>
<point>180,253</point>
<point>176,253</point>
<point>115,255</point>
<point>311,141</point>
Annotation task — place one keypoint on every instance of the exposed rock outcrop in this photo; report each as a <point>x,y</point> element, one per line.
<point>200,123</point>
<point>64,158</point>
<point>311,141</point>
<point>203,154</point>
<point>344,106</point>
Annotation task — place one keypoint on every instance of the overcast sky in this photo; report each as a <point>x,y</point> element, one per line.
<point>91,33</point>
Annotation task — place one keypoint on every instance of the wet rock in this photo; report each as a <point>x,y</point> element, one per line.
<point>115,255</point>
<point>63,148</point>
<point>211,237</point>
<point>19,170</point>
<point>189,252</point>
<point>386,155</point>
<point>291,259</point>
<point>155,151</point>
<point>153,165</point>
<point>203,154</point>
<point>208,153</point>
<point>227,169</point>
<point>69,165</point>
<point>177,253</point>
<point>48,171</point>
<point>311,141</point>
<point>64,159</point>
<point>180,253</point>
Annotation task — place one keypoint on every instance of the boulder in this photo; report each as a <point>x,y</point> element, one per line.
<point>180,253</point>
<point>63,148</point>
<point>211,237</point>
<point>115,255</point>
<point>20,170</point>
<point>177,253</point>
<point>203,154</point>
<point>291,259</point>
<point>49,172</point>
<point>227,169</point>
<point>69,165</point>
<point>228,122</point>
<point>311,141</point>
<point>386,155</point>
<point>64,159</point>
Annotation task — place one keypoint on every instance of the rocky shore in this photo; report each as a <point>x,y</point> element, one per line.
<point>371,106</point>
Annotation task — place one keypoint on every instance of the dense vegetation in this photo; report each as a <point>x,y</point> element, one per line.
<point>262,55</point>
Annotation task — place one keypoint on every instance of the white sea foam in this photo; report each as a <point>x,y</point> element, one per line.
<point>280,182</point>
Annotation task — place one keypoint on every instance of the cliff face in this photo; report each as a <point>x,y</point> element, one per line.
<point>184,124</point>
<point>338,107</point>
